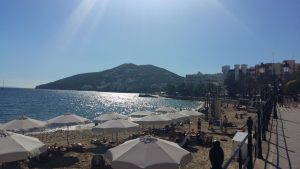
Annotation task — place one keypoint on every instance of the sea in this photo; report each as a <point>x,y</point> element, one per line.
<point>46,104</point>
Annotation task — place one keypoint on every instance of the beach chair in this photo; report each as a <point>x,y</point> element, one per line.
<point>200,138</point>
<point>78,147</point>
<point>185,141</point>
<point>208,141</point>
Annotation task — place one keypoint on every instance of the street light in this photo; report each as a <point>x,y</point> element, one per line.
<point>286,68</point>
<point>262,68</point>
<point>275,94</point>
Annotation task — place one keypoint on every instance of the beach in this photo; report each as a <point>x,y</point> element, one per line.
<point>73,159</point>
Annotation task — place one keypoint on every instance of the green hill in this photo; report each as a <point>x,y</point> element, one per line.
<point>124,78</point>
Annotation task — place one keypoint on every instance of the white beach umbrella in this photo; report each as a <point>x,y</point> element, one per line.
<point>115,126</point>
<point>119,125</point>
<point>156,119</point>
<point>141,113</point>
<point>191,113</point>
<point>166,110</point>
<point>176,116</point>
<point>23,123</point>
<point>16,147</point>
<point>148,153</point>
<point>109,116</point>
<point>67,119</point>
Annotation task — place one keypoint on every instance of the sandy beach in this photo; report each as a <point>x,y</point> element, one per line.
<point>73,159</point>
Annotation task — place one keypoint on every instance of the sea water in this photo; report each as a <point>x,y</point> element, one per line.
<point>46,104</point>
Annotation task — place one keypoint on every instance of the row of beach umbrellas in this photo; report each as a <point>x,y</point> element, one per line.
<point>111,122</point>
<point>24,146</point>
<point>146,152</point>
<point>142,153</point>
<point>24,123</point>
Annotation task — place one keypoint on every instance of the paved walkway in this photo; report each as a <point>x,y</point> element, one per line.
<point>282,148</point>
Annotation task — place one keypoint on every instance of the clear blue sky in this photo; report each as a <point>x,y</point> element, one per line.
<point>45,40</point>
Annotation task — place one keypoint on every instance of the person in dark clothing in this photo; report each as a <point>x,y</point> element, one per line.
<point>225,123</point>
<point>199,125</point>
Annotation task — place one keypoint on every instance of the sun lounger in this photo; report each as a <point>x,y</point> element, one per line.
<point>208,141</point>
<point>185,141</point>
<point>78,147</point>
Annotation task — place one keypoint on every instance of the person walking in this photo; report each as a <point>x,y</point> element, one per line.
<point>225,123</point>
<point>199,125</point>
<point>210,124</point>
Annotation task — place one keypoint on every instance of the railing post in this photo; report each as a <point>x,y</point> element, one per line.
<point>216,155</point>
<point>259,153</point>
<point>264,122</point>
<point>255,134</point>
<point>275,105</point>
<point>250,145</point>
<point>240,159</point>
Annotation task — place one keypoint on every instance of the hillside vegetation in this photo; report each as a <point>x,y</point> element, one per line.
<point>124,78</point>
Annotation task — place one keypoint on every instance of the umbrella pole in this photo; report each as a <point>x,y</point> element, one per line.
<point>68,134</point>
<point>117,136</point>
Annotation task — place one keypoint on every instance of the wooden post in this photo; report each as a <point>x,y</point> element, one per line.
<point>250,145</point>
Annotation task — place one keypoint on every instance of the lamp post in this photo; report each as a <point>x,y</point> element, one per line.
<point>275,89</point>
<point>286,69</point>
<point>261,116</point>
<point>261,70</point>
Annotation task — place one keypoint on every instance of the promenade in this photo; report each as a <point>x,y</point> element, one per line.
<point>282,146</point>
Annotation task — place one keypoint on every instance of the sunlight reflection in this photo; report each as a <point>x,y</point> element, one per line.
<point>74,22</point>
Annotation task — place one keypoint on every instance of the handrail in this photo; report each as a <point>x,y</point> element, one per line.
<point>237,150</point>
<point>227,163</point>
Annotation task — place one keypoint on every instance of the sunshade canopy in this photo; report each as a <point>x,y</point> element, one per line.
<point>166,110</point>
<point>16,147</point>
<point>116,126</point>
<point>109,116</point>
<point>154,119</point>
<point>176,116</point>
<point>23,123</point>
<point>148,153</point>
<point>191,113</point>
<point>141,113</point>
<point>67,119</point>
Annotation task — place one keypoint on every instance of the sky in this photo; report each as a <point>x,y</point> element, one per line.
<point>46,40</point>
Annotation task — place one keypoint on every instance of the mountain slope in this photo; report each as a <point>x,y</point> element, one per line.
<point>123,78</point>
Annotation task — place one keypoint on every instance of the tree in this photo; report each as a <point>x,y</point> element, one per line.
<point>232,86</point>
<point>292,87</point>
<point>170,89</point>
